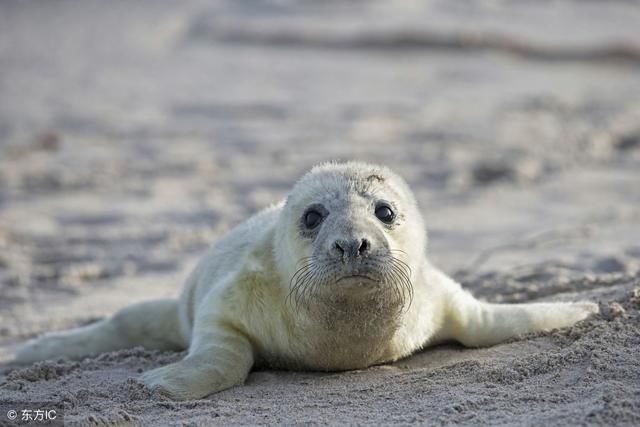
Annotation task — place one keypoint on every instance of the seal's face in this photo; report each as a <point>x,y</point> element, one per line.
<point>352,233</point>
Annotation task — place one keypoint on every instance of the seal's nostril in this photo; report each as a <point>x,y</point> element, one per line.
<point>364,247</point>
<point>350,249</point>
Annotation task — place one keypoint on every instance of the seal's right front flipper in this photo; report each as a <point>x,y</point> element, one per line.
<point>476,324</point>
<point>220,357</point>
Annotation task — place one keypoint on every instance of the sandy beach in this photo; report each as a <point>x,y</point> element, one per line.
<point>133,135</point>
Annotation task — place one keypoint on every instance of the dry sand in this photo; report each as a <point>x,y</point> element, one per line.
<point>133,135</point>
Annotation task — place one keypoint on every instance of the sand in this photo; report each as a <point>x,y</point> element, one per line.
<point>134,135</point>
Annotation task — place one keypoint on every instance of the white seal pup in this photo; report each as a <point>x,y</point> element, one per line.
<point>334,278</point>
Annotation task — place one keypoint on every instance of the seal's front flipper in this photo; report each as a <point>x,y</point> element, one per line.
<point>220,361</point>
<point>476,324</point>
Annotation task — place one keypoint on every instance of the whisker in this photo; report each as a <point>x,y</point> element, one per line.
<point>298,278</point>
<point>304,259</point>
<point>400,268</point>
<point>393,274</point>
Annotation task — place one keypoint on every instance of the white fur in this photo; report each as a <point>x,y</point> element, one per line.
<point>233,312</point>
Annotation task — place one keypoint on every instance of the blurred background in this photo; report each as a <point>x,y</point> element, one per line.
<point>133,134</point>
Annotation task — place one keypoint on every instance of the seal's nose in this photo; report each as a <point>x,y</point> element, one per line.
<point>350,249</point>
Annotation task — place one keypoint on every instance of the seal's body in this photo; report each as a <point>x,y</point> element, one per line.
<point>335,278</point>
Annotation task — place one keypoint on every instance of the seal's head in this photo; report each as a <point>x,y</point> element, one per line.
<point>350,232</point>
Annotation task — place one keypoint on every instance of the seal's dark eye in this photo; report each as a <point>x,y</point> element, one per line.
<point>312,219</point>
<point>385,214</point>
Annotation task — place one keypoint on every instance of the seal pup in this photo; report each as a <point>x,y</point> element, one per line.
<point>333,278</point>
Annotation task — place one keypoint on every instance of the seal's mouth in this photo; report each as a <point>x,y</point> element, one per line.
<point>316,279</point>
<point>356,277</point>
<point>356,280</point>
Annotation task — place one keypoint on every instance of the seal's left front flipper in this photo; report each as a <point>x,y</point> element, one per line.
<point>475,323</point>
